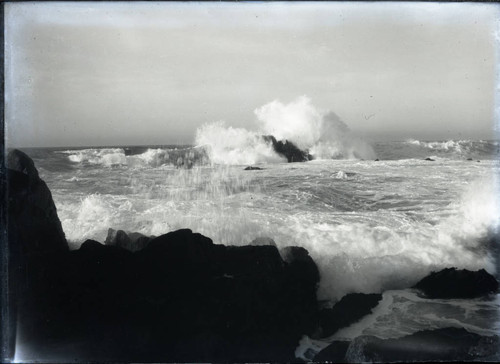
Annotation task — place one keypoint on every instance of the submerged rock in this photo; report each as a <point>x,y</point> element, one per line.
<point>450,344</point>
<point>288,150</point>
<point>453,283</point>
<point>350,309</point>
<point>251,168</point>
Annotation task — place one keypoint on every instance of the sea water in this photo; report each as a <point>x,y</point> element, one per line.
<point>371,226</point>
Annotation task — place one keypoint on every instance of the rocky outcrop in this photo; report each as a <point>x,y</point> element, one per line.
<point>36,242</point>
<point>182,298</point>
<point>33,224</point>
<point>288,150</point>
<point>454,283</point>
<point>450,344</point>
<point>350,309</point>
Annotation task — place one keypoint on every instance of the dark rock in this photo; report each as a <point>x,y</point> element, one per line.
<point>181,298</point>
<point>469,159</point>
<point>350,309</point>
<point>33,221</point>
<point>335,353</point>
<point>429,159</point>
<point>251,168</point>
<point>302,280</point>
<point>376,160</point>
<point>127,240</point>
<point>288,150</point>
<point>448,344</point>
<point>453,283</point>
<point>36,243</point>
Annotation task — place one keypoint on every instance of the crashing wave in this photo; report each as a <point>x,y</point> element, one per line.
<point>321,134</point>
<point>228,145</point>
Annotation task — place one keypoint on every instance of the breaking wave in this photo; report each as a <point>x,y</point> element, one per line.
<point>323,134</point>
<point>228,145</point>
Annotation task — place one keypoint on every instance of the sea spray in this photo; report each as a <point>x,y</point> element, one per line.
<point>202,198</point>
<point>478,217</point>
<point>322,133</point>
<point>299,121</point>
<point>228,145</point>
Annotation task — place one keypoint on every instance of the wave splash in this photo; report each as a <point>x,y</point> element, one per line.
<point>323,134</point>
<point>228,145</point>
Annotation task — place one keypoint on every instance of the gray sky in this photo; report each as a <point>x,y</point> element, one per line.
<point>151,73</point>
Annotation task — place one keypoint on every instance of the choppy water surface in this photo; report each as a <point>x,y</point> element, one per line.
<point>370,225</point>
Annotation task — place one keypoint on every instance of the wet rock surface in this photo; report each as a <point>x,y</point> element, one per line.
<point>454,283</point>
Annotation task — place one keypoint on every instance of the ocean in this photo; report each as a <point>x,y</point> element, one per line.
<point>376,221</point>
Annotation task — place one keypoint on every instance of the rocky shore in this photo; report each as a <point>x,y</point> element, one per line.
<point>179,297</point>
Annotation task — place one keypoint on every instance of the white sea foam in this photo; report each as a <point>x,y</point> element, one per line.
<point>228,145</point>
<point>299,121</point>
<point>322,133</point>
<point>153,157</point>
<point>391,252</point>
<point>385,229</point>
<point>104,156</point>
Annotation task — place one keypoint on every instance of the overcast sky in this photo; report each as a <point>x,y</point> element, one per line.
<point>151,73</point>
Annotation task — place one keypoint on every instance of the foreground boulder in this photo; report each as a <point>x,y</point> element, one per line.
<point>450,344</point>
<point>181,298</point>
<point>33,222</point>
<point>288,150</point>
<point>350,309</point>
<point>36,241</point>
<point>454,283</point>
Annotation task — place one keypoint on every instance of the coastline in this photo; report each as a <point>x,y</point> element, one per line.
<point>289,275</point>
